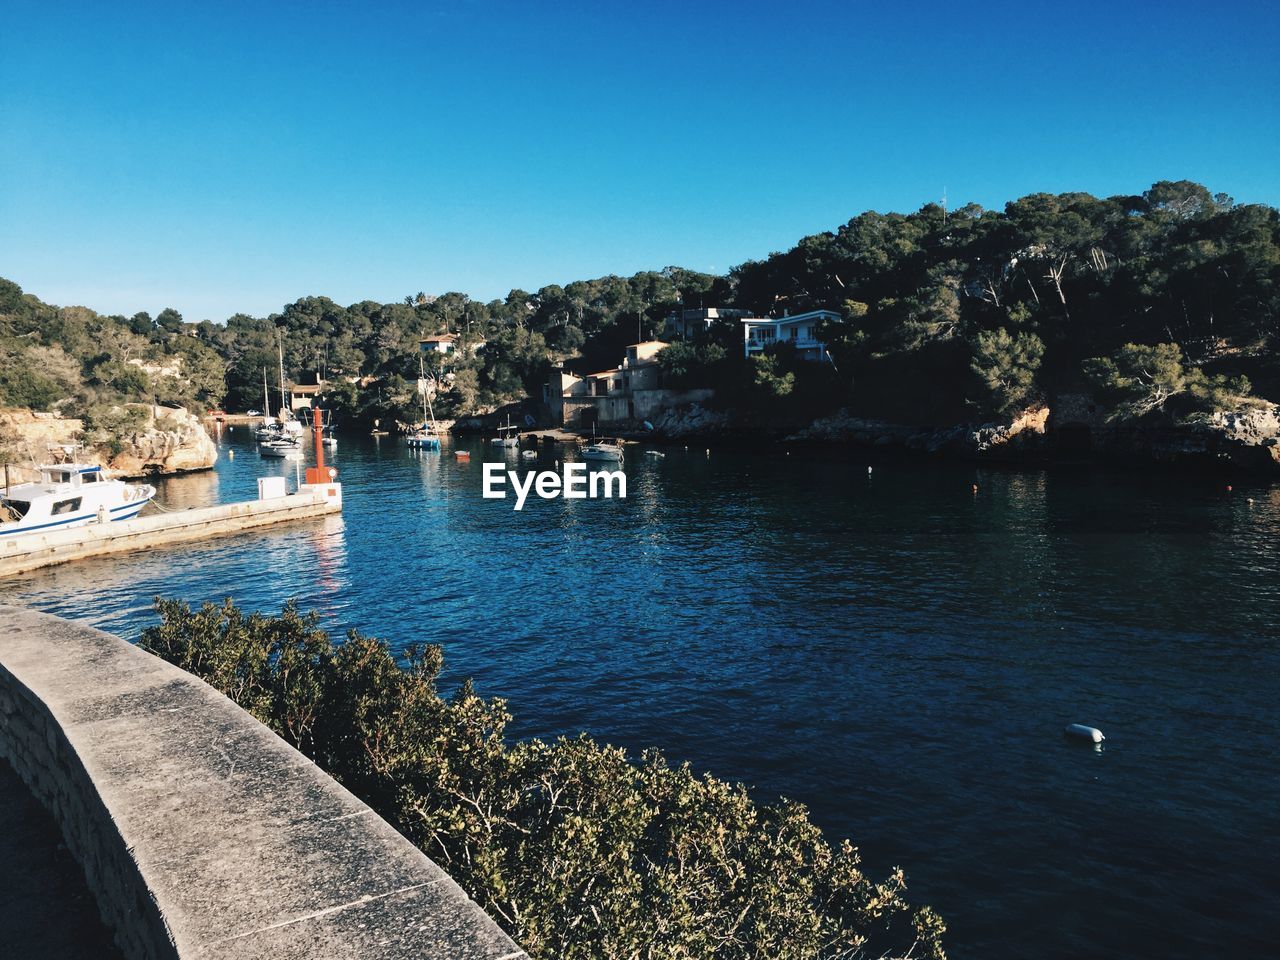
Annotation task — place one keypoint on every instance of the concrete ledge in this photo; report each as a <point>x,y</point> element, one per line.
<point>31,551</point>
<point>201,833</point>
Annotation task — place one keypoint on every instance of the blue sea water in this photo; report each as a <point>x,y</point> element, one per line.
<point>887,646</point>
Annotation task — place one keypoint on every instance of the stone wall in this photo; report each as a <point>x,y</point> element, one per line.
<point>200,832</point>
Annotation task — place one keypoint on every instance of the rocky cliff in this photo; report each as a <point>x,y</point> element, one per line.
<point>1249,439</point>
<point>1071,430</point>
<point>1021,436</point>
<point>137,440</point>
<point>172,440</point>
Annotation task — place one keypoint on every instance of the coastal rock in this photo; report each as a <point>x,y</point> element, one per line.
<point>159,440</point>
<point>173,440</point>
<point>1248,438</point>
<point>1257,427</point>
<point>1022,434</point>
<point>692,420</point>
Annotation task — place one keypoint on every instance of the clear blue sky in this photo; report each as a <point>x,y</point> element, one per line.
<point>227,156</point>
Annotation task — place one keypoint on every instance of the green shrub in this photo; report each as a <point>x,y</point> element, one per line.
<point>578,851</point>
<point>20,386</point>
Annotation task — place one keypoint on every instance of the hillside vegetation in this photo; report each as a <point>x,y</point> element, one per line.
<point>1161,304</point>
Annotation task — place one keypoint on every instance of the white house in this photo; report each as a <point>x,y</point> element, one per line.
<point>448,343</point>
<point>800,330</point>
<point>444,343</point>
<point>688,324</point>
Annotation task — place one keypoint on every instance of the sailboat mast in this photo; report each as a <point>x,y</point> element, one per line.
<point>431,409</point>
<point>422,385</point>
<point>266,399</point>
<point>284,404</point>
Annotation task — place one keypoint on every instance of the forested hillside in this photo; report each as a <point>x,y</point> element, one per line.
<point>75,359</point>
<point>1160,301</point>
<point>1164,303</point>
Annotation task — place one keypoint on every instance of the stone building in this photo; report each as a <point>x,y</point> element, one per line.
<point>630,393</point>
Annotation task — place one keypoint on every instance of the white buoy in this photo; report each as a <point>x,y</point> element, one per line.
<point>231,454</point>
<point>868,471</point>
<point>1078,731</point>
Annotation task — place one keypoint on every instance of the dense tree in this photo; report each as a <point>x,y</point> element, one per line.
<point>1007,364</point>
<point>1142,380</point>
<point>942,314</point>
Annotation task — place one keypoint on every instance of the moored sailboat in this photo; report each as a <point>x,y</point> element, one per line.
<point>426,436</point>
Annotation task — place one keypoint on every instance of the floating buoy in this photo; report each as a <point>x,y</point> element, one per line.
<point>868,471</point>
<point>975,488</point>
<point>1228,488</point>
<point>1078,731</point>
<point>231,454</point>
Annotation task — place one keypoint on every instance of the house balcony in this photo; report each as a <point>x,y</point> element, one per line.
<point>756,344</point>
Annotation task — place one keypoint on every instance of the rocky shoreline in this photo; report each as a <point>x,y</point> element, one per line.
<point>159,441</point>
<point>1068,432</point>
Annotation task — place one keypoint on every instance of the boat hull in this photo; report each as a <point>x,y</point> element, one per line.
<point>280,452</point>
<point>125,511</point>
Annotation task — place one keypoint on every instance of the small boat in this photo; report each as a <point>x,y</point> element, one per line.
<point>423,438</point>
<point>462,455</point>
<point>529,454</point>
<point>603,448</point>
<point>280,449</point>
<point>329,441</point>
<point>508,436</point>
<point>655,453</point>
<point>69,495</point>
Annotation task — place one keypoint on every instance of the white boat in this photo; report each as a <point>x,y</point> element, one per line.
<point>508,436</point>
<point>269,429</point>
<point>280,449</point>
<point>602,448</point>
<point>69,495</point>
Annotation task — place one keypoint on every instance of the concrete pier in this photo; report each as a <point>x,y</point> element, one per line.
<point>203,835</point>
<point>34,550</point>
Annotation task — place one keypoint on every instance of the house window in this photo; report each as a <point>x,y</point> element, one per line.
<point>65,506</point>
